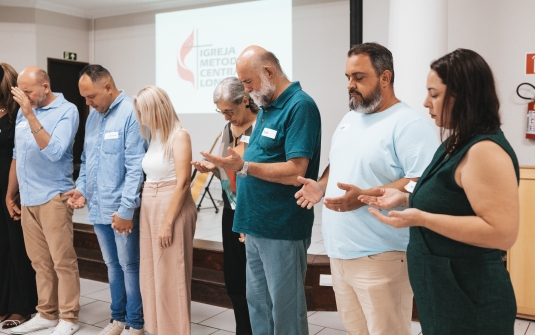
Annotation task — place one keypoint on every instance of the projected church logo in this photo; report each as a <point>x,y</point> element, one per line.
<point>208,64</point>
<point>183,71</point>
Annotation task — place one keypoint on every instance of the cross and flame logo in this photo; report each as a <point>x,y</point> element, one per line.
<point>183,71</point>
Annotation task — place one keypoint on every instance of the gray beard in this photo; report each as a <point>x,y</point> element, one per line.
<point>367,105</point>
<point>262,96</point>
<point>40,102</point>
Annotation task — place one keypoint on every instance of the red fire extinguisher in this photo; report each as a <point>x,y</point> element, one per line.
<point>530,131</point>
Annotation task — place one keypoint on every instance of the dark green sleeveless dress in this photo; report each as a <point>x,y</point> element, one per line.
<point>459,289</point>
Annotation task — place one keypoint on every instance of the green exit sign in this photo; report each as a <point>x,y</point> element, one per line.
<point>69,55</point>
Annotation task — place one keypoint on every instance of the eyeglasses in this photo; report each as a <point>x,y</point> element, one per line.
<point>227,112</point>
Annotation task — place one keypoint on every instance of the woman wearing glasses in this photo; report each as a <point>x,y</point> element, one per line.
<point>240,111</point>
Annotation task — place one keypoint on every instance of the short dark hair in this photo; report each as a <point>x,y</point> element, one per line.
<point>95,72</point>
<point>471,105</point>
<point>380,57</point>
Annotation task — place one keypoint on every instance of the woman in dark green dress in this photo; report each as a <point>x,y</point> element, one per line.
<point>464,209</point>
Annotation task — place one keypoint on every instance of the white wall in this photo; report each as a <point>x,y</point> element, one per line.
<point>30,36</point>
<point>57,33</point>
<point>320,44</point>
<point>502,32</point>
<point>17,37</point>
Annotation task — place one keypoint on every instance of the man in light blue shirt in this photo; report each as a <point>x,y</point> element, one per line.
<point>44,135</point>
<point>110,179</point>
<point>381,142</point>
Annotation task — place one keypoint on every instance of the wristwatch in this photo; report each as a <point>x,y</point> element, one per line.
<point>243,172</point>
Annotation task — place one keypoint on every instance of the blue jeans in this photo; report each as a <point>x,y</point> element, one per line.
<point>276,272</point>
<point>121,254</point>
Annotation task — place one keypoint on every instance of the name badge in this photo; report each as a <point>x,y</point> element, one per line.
<point>410,186</point>
<point>245,139</point>
<point>111,135</point>
<point>345,126</point>
<point>22,124</point>
<point>269,133</point>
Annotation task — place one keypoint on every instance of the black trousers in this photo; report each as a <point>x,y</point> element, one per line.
<point>235,262</point>
<point>18,291</point>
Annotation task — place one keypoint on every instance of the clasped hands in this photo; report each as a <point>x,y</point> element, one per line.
<point>77,200</point>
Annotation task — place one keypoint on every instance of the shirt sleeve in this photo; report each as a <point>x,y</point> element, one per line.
<point>81,181</point>
<point>62,136</point>
<point>135,148</point>
<point>303,130</point>
<point>415,147</point>
<point>19,117</point>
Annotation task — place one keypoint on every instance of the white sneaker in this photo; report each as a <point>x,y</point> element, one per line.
<point>35,324</point>
<point>132,331</point>
<point>113,328</point>
<point>65,328</point>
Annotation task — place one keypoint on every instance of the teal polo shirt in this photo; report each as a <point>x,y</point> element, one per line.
<point>288,128</point>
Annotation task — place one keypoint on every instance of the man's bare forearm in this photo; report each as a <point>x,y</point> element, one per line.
<point>324,179</point>
<point>42,137</point>
<point>285,173</point>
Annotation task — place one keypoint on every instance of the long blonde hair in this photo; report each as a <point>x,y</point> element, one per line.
<point>155,112</point>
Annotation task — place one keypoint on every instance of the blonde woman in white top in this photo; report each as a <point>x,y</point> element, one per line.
<point>168,216</point>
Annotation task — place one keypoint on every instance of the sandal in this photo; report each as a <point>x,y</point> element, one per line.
<point>14,323</point>
<point>4,319</point>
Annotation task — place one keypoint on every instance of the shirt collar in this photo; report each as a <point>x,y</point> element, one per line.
<point>286,95</point>
<point>117,101</point>
<point>54,104</point>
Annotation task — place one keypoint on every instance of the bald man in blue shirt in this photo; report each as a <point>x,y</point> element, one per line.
<point>42,169</point>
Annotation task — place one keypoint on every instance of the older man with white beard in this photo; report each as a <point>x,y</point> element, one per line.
<point>380,143</point>
<point>285,144</point>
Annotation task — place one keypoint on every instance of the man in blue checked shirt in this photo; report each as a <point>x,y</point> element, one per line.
<point>42,171</point>
<point>110,180</point>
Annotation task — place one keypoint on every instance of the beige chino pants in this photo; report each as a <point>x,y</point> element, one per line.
<point>373,294</point>
<point>48,236</point>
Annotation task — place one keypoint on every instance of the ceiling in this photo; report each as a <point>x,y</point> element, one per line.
<point>93,9</point>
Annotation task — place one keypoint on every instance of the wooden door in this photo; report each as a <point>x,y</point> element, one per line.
<point>521,257</point>
<point>64,79</point>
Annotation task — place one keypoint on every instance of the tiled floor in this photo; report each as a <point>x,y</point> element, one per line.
<point>207,319</point>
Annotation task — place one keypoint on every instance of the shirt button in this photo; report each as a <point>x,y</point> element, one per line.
<point>262,120</point>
